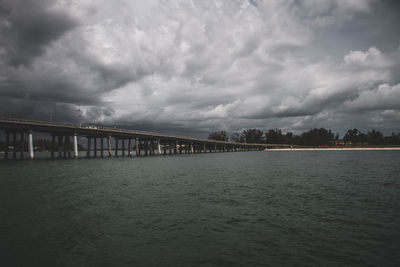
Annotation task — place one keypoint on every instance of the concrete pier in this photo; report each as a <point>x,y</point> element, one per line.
<point>137,147</point>
<point>129,148</point>
<point>116,147</point>
<point>95,147</point>
<point>14,145</point>
<point>7,145</point>
<point>30,145</point>
<point>53,145</point>
<point>75,145</point>
<point>109,145</point>
<point>59,146</point>
<point>21,145</point>
<point>101,147</point>
<point>123,147</point>
<point>88,147</point>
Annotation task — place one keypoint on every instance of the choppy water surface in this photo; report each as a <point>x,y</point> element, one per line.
<point>221,209</point>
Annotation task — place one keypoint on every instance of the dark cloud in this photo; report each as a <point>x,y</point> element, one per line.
<point>27,27</point>
<point>192,67</point>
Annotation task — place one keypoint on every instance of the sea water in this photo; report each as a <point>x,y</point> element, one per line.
<point>266,208</point>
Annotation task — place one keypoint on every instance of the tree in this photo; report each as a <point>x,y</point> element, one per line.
<point>252,136</point>
<point>235,137</point>
<point>274,136</point>
<point>355,136</point>
<point>375,137</point>
<point>317,137</point>
<point>394,139</point>
<point>221,136</point>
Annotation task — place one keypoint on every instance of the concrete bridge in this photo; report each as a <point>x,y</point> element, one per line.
<point>139,143</point>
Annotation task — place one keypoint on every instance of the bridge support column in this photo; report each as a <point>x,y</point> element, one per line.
<point>64,147</point>
<point>95,146</point>
<point>165,148</point>
<point>68,146</point>
<point>191,148</point>
<point>116,147</point>
<point>59,146</point>
<point>123,147</point>
<point>109,145</point>
<point>21,145</point>
<point>75,145</point>
<point>101,147</point>
<point>30,145</point>
<point>53,145</point>
<point>88,146</point>
<point>150,147</point>
<point>129,148</point>
<point>14,146</point>
<point>7,145</point>
<point>137,147</point>
<point>158,147</point>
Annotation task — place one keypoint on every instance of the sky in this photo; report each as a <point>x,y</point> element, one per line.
<point>196,66</point>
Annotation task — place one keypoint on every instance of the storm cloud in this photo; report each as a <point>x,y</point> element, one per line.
<point>192,67</point>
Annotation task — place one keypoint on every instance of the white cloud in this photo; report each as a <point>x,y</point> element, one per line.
<point>384,97</point>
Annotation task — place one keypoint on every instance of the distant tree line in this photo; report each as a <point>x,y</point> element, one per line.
<point>313,137</point>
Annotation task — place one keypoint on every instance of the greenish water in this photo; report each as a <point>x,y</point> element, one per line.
<point>313,208</point>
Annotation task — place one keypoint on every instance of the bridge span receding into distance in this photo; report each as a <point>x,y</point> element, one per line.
<point>139,143</point>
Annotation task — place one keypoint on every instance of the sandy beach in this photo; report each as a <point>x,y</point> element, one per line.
<point>334,148</point>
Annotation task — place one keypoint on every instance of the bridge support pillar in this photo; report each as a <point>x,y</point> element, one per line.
<point>129,148</point>
<point>64,146</point>
<point>165,148</point>
<point>30,145</point>
<point>116,147</point>
<point>21,145</point>
<point>68,146</point>
<point>123,147</point>
<point>137,147</point>
<point>14,146</point>
<point>191,148</point>
<point>109,145</point>
<point>88,147</point>
<point>53,145</point>
<point>75,145</point>
<point>59,146</point>
<point>95,146</point>
<point>158,147</point>
<point>7,145</point>
<point>101,147</point>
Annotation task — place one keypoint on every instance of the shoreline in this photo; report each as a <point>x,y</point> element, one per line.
<point>332,148</point>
